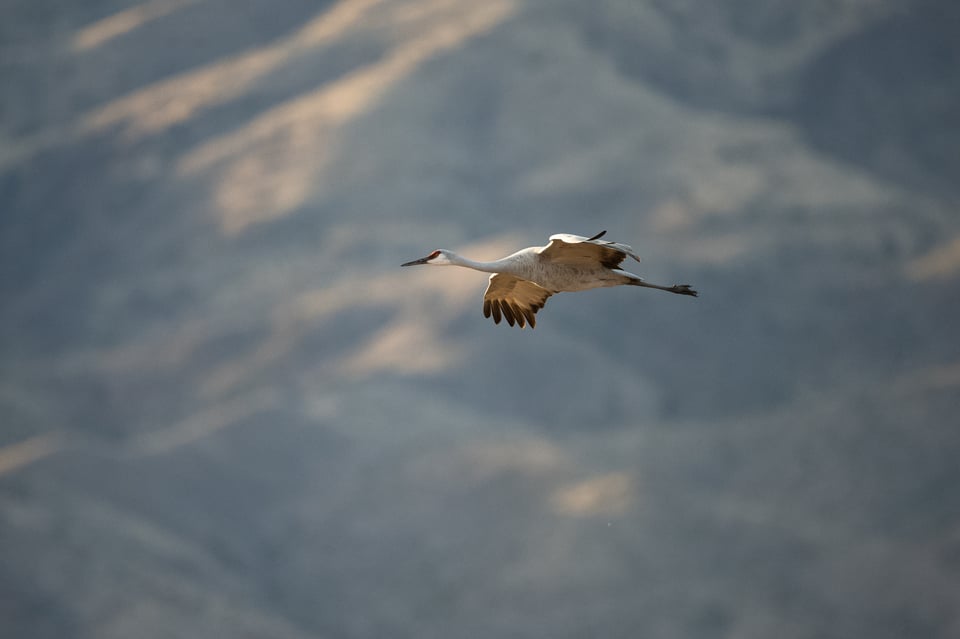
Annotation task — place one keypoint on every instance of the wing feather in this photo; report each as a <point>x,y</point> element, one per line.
<point>572,249</point>
<point>516,300</point>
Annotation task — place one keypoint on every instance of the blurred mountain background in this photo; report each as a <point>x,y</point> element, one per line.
<point>226,412</point>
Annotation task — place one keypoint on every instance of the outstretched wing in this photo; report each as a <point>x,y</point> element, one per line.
<point>514,299</point>
<point>574,249</point>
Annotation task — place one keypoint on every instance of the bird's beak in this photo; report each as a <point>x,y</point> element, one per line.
<point>422,260</point>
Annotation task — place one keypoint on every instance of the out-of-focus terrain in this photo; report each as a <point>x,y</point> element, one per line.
<point>227,412</point>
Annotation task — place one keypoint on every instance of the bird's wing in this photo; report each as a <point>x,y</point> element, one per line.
<point>574,249</point>
<point>513,298</point>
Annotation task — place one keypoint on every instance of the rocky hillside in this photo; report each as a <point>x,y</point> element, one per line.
<point>227,412</point>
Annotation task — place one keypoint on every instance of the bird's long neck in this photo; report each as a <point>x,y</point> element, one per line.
<point>496,266</point>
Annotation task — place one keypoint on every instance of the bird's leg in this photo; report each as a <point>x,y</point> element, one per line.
<point>680,289</point>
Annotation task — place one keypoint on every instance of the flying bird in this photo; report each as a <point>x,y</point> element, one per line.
<point>522,282</point>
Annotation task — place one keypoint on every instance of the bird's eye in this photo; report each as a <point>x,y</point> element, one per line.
<point>433,255</point>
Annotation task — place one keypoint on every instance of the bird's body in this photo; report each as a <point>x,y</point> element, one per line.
<point>522,282</point>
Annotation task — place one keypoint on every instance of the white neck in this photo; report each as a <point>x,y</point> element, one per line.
<point>496,266</point>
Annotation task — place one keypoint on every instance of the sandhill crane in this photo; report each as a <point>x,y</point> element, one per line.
<point>522,282</point>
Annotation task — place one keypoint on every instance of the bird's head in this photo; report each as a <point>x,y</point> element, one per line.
<point>440,257</point>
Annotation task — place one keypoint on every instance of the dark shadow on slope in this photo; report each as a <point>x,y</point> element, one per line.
<point>887,99</point>
<point>717,56</point>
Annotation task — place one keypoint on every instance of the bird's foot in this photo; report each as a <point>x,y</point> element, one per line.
<point>683,289</point>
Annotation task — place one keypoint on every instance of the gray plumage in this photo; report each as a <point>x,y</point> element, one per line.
<point>522,282</point>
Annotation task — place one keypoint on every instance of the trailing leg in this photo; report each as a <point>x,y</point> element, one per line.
<point>679,289</point>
